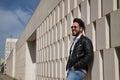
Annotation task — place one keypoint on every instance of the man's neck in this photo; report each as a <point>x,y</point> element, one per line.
<point>77,37</point>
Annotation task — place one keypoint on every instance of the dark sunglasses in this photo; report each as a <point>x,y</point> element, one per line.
<point>73,27</point>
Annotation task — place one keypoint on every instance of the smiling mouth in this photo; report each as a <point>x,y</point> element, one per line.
<point>73,31</point>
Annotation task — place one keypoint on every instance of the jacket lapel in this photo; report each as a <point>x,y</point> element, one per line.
<point>79,41</point>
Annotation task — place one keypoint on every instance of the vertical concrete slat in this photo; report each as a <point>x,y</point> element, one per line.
<point>67,7</point>
<point>111,68</point>
<point>50,21</point>
<point>102,35</point>
<point>90,33</point>
<point>77,12</point>
<point>57,17</point>
<point>107,8</point>
<point>64,27</point>
<point>95,9</point>
<point>115,28</point>
<point>69,23</point>
<point>79,2</point>
<point>97,69</point>
<point>62,9</point>
<point>85,11</point>
<point>73,4</point>
<point>66,46</point>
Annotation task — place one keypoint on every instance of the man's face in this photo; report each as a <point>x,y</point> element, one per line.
<point>76,29</point>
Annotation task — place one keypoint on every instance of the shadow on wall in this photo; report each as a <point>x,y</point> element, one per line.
<point>118,56</point>
<point>32,46</point>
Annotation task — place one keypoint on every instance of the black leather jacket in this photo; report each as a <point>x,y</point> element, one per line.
<point>82,54</point>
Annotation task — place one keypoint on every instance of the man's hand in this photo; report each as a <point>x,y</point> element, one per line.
<point>72,68</point>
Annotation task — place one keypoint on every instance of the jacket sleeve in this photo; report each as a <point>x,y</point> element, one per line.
<point>88,57</point>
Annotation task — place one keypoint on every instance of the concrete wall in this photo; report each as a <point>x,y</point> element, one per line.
<point>51,22</point>
<point>20,63</point>
<point>10,64</point>
<point>10,44</point>
<point>25,64</point>
<point>30,65</point>
<point>54,38</point>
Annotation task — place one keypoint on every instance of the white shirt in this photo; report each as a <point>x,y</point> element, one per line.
<point>74,42</point>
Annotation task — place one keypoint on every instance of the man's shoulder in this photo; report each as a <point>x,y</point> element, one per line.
<point>85,38</point>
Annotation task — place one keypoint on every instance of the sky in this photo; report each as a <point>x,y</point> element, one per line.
<point>14,15</point>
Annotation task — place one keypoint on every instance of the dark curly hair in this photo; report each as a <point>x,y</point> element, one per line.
<point>80,22</point>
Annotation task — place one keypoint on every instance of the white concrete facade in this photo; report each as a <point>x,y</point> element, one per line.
<point>43,48</point>
<point>10,64</point>
<point>10,45</point>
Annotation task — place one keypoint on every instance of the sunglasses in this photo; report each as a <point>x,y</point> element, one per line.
<point>73,27</point>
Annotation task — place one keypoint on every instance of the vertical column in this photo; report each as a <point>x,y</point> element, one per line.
<point>53,17</point>
<point>67,7</point>
<point>111,69</point>
<point>107,8</point>
<point>64,27</point>
<point>102,29</point>
<point>59,31</point>
<point>85,11</point>
<point>64,68</point>
<point>115,28</point>
<point>77,12</point>
<point>79,1</point>
<point>97,69</point>
<point>90,32</point>
<point>73,4</point>
<point>69,23</point>
<point>66,53</point>
<point>50,21</point>
<point>61,49</point>
<point>95,9</point>
<point>57,17</point>
<point>62,9</point>
<point>55,33</point>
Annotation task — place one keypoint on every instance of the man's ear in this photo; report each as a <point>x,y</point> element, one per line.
<point>81,29</point>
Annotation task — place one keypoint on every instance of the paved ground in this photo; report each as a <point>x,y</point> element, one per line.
<point>4,77</point>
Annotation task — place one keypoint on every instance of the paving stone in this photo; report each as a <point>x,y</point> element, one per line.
<point>5,77</point>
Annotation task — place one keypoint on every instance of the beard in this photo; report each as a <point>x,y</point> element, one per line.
<point>75,33</point>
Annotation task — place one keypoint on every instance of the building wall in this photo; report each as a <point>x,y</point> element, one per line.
<point>9,46</point>
<point>30,68</point>
<point>10,56</point>
<point>10,65</point>
<point>20,63</point>
<point>54,38</point>
<point>51,22</point>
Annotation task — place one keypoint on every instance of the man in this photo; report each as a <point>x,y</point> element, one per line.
<point>81,52</point>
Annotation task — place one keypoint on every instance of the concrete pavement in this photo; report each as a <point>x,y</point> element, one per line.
<point>5,77</point>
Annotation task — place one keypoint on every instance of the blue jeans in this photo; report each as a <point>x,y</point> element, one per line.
<point>75,75</point>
